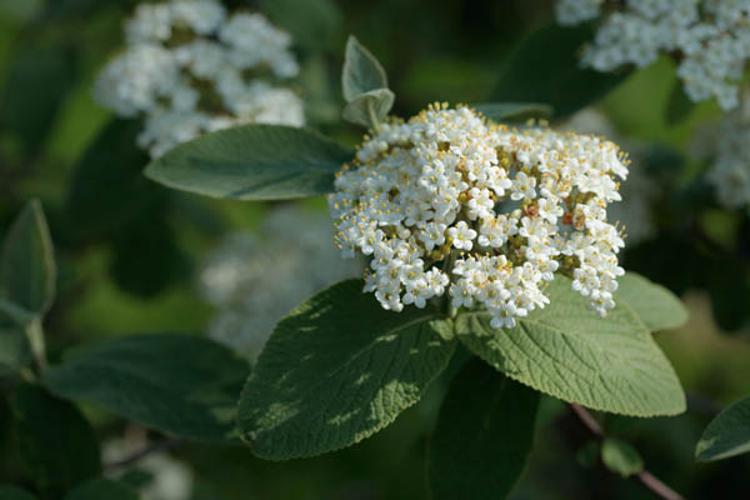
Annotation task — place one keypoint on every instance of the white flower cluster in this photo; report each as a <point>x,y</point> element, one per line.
<point>710,39</point>
<point>254,280</point>
<point>634,212</point>
<point>170,479</point>
<point>730,174</point>
<point>449,202</point>
<point>191,68</point>
<point>572,12</point>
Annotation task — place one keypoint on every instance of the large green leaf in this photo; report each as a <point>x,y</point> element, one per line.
<point>656,306</point>
<point>147,257</point>
<point>620,457</point>
<point>55,442</point>
<point>179,384</point>
<point>727,435</point>
<point>37,81</point>
<point>27,262</point>
<point>99,489</point>
<point>545,68</point>
<point>483,435</point>
<point>9,492</point>
<point>338,369</point>
<point>362,72</point>
<point>107,189</point>
<point>312,23</point>
<point>513,111</point>
<point>15,351</point>
<point>253,162</point>
<point>567,351</point>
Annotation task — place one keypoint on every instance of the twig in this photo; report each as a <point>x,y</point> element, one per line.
<point>654,484</point>
<point>164,445</point>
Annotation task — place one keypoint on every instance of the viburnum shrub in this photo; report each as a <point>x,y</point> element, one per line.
<point>485,246</point>
<point>475,233</point>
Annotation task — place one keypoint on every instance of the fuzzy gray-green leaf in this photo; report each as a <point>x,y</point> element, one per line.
<point>565,350</point>
<point>27,262</point>
<point>362,72</point>
<point>483,435</point>
<point>656,306</point>
<point>253,162</point>
<point>178,384</point>
<point>513,111</point>
<point>335,371</point>
<point>620,457</point>
<point>727,435</point>
<point>369,109</point>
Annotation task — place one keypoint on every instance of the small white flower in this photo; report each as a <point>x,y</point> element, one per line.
<point>462,236</point>
<point>523,187</point>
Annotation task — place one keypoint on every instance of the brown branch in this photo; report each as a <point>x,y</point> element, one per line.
<point>651,482</point>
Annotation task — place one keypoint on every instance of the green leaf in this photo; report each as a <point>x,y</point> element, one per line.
<point>588,454</point>
<point>369,109</point>
<point>108,191</point>
<point>15,351</point>
<point>147,257</point>
<point>38,80</point>
<point>567,351</point>
<point>56,443</point>
<point>98,489</point>
<point>656,306</point>
<point>620,457</point>
<point>178,384</point>
<point>483,436</point>
<point>312,23</point>
<point>545,68</point>
<point>336,370</point>
<point>27,262</point>
<point>513,111</point>
<point>362,72</point>
<point>253,162</point>
<point>727,435</point>
<point>679,104</point>
<point>9,492</point>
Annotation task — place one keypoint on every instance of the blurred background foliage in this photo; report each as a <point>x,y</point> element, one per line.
<point>128,249</point>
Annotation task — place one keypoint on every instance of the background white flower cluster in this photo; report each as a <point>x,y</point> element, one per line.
<point>190,68</point>
<point>168,477</point>
<point>710,39</point>
<point>730,173</point>
<point>638,191</point>
<point>451,202</point>
<point>255,279</point>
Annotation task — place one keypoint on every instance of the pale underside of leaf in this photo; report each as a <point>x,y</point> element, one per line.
<point>362,71</point>
<point>369,109</point>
